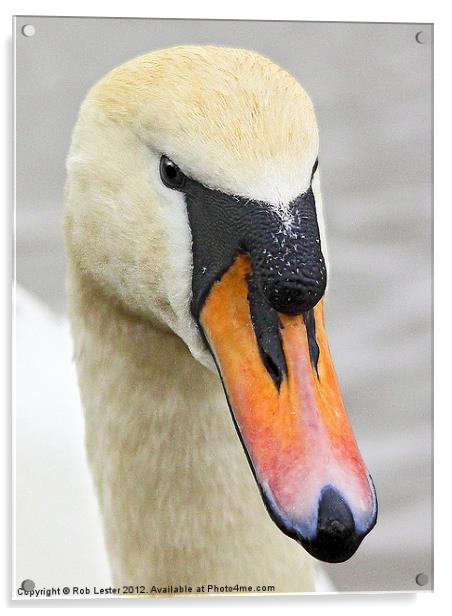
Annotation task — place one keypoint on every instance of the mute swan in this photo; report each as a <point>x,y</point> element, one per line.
<point>194,238</point>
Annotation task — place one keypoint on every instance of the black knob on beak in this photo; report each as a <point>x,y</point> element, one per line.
<point>287,257</point>
<point>297,290</point>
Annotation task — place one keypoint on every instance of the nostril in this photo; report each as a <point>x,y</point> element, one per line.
<point>266,327</point>
<point>273,369</point>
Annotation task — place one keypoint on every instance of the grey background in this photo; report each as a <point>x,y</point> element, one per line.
<point>371,85</point>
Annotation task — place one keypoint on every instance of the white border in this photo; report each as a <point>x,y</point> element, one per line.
<point>347,10</point>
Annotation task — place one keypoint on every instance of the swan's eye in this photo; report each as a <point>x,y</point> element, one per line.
<point>170,173</point>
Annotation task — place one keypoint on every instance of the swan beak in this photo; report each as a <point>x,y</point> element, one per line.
<point>295,432</point>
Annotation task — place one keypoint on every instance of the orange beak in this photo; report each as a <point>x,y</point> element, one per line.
<point>297,436</point>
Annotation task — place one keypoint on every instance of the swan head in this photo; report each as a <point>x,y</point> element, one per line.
<point>193,199</point>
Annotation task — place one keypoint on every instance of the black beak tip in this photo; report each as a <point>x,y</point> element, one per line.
<point>336,538</point>
<point>331,548</point>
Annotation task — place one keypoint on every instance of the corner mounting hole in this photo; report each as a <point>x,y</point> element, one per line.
<point>421,579</point>
<point>420,37</point>
<point>28,30</point>
<point>28,585</point>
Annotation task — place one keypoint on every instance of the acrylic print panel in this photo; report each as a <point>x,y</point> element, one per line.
<point>150,489</point>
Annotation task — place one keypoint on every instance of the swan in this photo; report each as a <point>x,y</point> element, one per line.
<point>197,268</point>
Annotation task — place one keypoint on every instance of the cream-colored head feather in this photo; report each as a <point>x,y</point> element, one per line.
<point>230,118</point>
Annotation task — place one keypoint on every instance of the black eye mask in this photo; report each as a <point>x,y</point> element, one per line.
<point>289,273</point>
